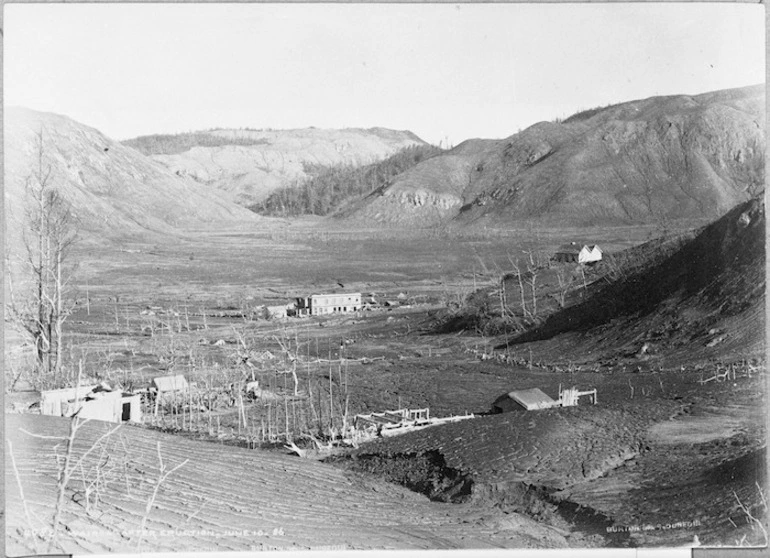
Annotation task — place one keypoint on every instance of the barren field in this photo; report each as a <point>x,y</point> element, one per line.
<point>662,458</point>
<point>226,498</point>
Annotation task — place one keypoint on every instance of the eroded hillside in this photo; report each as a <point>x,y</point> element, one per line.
<point>250,164</point>
<point>648,161</point>
<point>704,301</point>
<point>113,190</point>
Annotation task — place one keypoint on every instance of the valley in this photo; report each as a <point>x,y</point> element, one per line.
<point>462,300</point>
<point>593,484</point>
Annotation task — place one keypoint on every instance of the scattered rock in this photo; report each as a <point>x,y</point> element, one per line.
<point>716,341</point>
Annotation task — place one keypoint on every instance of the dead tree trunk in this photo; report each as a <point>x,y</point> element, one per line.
<point>47,238</point>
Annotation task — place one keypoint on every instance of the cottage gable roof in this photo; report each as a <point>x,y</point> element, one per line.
<point>576,248</point>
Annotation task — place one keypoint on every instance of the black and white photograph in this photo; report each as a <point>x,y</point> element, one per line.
<point>384,276</point>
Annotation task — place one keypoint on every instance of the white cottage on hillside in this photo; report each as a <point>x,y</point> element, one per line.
<point>576,253</point>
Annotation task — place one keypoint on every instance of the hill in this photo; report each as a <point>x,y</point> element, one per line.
<point>706,300</point>
<point>333,187</point>
<point>249,164</point>
<point>114,191</point>
<point>648,161</point>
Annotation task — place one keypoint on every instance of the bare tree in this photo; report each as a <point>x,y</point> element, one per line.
<point>498,275</point>
<point>564,286</point>
<point>69,463</point>
<point>49,233</point>
<point>533,269</point>
<point>291,354</point>
<point>163,474</point>
<point>517,271</point>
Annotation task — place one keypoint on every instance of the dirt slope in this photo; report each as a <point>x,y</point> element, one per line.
<point>499,451</point>
<point>227,498</point>
<point>114,190</point>
<point>249,164</point>
<point>430,192</point>
<point>646,161</point>
<point>705,301</point>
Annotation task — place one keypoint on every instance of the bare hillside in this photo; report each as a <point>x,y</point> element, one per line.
<point>114,191</point>
<point>704,301</point>
<point>431,192</point>
<point>647,161</point>
<point>250,164</point>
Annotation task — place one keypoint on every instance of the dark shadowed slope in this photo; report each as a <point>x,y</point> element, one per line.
<point>712,287</point>
<point>646,161</point>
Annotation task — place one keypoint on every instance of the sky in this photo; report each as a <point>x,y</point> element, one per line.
<point>447,72</point>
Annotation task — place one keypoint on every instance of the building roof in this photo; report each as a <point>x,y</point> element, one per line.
<point>335,294</point>
<point>531,398</point>
<point>569,248</point>
<point>170,383</point>
<point>69,393</point>
<point>575,248</point>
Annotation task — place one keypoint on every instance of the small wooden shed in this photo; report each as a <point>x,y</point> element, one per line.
<point>103,405</point>
<point>170,384</point>
<point>92,402</point>
<point>278,312</point>
<point>131,407</point>
<point>57,402</point>
<point>523,400</point>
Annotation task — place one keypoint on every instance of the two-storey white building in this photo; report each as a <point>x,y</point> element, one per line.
<point>321,304</point>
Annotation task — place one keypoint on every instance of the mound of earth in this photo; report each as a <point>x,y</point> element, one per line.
<point>704,301</point>
<point>553,448</point>
<point>518,461</point>
<point>647,161</point>
<point>696,472</point>
<point>660,459</point>
<point>221,498</point>
<point>250,164</point>
<point>114,191</point>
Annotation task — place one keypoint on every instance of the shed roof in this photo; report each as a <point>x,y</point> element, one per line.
<point>170,383</point>
<point>575,247</point>
<point>68,393</point>
<point>569,248</point>
<point>531,398</point>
